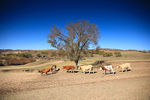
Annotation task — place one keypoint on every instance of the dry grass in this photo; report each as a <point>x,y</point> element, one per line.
<point>126,56</point>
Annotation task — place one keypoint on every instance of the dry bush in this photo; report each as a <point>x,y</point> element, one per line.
<point>117,54</point>
<point>107,54</point>
<point>98,62</point>
<point>15,61</point>
<point>2,62</point>
<point>25,55</point>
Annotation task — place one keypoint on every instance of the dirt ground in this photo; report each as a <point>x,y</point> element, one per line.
<point>132,85</point>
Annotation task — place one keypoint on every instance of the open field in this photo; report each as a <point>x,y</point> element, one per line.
<point>127,56</point>
<point>133,85</point>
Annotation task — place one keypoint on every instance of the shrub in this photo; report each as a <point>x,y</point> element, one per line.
<point>10,54</point>
<point>3,62</point>
<point>44,52</point>
<point>97,50</point>
<point>53,54</point>
<point>19,61</point>
<point>91,54</point>
<point>25,55</point>
<point>15,61</point>
<point>107,54</point>
<point>38,55</point>
<point>117,54</point>
<point>61,53</point>
<point>99,62</point>
<point>101,52</point>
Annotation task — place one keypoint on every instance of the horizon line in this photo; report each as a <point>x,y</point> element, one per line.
<point>88,49</point>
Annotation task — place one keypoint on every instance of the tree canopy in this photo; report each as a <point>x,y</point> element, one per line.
<point>75,39</point>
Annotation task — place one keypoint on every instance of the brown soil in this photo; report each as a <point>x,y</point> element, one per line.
<point>132,85</point>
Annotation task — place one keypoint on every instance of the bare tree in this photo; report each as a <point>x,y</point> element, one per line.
<point>76,38</point>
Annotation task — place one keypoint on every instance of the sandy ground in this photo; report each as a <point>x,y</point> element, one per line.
<point>132,85</point>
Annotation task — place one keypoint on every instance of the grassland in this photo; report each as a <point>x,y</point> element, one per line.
<point>128,56</point>
<point>18,84</point>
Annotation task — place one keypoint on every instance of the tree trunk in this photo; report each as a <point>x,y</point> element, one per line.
<point>76,61</point>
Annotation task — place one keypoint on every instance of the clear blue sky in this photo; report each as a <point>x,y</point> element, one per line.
<point>25,24</point>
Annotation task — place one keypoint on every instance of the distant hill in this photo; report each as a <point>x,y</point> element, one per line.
<point>105,49</point>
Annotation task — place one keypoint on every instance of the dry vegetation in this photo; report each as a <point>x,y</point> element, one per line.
<point>18,85</point>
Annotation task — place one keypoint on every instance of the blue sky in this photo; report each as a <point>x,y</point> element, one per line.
<point>25,24</point>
